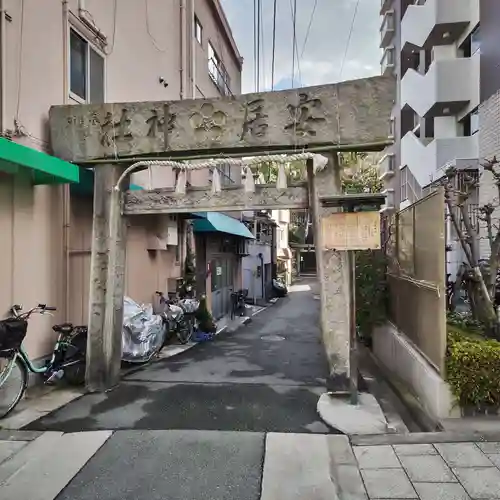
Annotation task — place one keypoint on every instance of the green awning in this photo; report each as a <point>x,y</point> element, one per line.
<point>45,169</point>
<point>211,222</point>
<point>86,185</point>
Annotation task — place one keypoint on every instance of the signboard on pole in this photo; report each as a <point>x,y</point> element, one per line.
<point>351,231</point>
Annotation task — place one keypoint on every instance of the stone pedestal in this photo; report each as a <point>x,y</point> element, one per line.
<point>107,281</point>
<point>333,277</point>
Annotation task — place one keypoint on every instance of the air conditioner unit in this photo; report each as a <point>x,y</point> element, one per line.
<point>164,234</point>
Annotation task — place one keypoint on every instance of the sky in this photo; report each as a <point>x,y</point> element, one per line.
<point>320,58</point>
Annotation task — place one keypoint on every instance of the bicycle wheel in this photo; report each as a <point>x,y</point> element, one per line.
<point>13,383</point>
<point>185,331</point>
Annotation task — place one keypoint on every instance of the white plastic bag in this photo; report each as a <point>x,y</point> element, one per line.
<point>143,332</point>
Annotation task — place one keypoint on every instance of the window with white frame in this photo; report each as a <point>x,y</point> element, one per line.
<point>404,184</point>
<point>86,64</point>
<point>225,173</point>
<point>198,30</point>
<point>218,72</point>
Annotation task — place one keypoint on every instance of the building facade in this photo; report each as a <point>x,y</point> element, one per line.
<point>433,48</point>
<point>489,110</point>
<point>92,51</point>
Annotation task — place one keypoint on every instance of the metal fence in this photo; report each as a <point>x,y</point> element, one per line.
<point>417,275</point>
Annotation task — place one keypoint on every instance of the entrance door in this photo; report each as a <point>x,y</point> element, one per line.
<point>222,286</point>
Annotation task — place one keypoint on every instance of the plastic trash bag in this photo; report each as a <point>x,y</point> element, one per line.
<point>190,306</point>
<point>143,332</point>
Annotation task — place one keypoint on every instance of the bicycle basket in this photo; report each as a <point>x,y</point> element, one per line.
<point>12,333</point>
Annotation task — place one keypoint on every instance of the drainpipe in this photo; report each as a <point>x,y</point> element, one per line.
<point>3,37</point>
<point>66,195</point>
<point>193,52</point>
<point>261,257</point>
<point>182,54</point>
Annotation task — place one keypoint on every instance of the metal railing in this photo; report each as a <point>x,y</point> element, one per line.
<point>220,76</point>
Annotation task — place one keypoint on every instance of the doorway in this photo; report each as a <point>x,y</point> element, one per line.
<point>222,285</point>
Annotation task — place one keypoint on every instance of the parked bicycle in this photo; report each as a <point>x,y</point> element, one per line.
<point>179,317</point>
<point>67,360</point>
<point>238,303</point>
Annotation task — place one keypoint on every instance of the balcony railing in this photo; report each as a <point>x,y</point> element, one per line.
<point>387,166</point>
<point>447,87</point>
<point>387,29</point>
<point>385,5</point>
<point>435,22</point>
<point>388,61</point>
<point>219,76</point>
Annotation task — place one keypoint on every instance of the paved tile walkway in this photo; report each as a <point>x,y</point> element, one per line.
<point>440,471</point>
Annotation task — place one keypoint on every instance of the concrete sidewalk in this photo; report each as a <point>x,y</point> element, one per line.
<point>159,465</point>
<point>426,466</point>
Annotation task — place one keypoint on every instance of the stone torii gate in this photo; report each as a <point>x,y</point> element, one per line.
<point>348,116</point>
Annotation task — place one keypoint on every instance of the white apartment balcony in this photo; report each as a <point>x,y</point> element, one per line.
<point>387,166</point>
<point>448,86</point>
<point>390,201</point>
<point>388,61</point>
<point>428,159</point>
<point>437,22</point>
<point>387,29</point>
<point>385,5</point>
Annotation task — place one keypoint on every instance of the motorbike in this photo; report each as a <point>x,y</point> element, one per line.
<point>279,288</point>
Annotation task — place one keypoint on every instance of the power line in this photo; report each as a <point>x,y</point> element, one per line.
<point>349,39</point>
<point>263,43</point>
<point>306,38</point>
<point>255,44</point>
<point>274,44</point>
<point>294,38</point>
<point>259,7</point>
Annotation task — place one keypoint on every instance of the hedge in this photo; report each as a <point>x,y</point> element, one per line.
<point>473,370</point>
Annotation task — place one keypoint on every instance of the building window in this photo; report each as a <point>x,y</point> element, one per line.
<point>404,184</point>
<point>217,71</point>
<point>472,43</point>
<point>475,41</point>
<point>86,71</point>
<point>471,123</point>
<point>198,30</point>
<point>225,174</point>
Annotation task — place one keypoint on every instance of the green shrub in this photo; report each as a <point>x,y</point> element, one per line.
<point>473,369</point>
<point>371,292</point>
<point>464,320</point>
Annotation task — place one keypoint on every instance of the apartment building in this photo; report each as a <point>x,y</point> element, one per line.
<point>433,48</point>
<point>92,51</point>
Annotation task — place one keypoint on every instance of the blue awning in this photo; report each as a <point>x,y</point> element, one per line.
<point>211,222</point>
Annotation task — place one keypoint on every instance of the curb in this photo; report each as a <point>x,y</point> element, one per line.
<point>410,403</point>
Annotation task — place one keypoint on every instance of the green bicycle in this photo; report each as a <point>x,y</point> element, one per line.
<point>67,360</point>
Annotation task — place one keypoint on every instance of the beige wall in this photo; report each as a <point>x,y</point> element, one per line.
<point>138,53</point>
<point>31,253</point>
<point>146,272</point>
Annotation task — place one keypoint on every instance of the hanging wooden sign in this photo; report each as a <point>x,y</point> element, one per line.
<point>351,231</point>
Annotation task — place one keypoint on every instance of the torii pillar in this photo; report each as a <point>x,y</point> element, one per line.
<point>333,278</point>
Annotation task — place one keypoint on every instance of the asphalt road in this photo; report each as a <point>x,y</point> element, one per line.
<point>265,377</point>
<point>172,465</point>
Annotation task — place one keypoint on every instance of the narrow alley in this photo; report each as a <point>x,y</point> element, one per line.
<point>232,418</point>
<point>265,377</point>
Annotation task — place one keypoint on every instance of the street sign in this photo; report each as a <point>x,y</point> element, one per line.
<point>351,231</point>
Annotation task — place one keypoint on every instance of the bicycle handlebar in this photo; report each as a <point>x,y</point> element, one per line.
<point>40,308</point>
